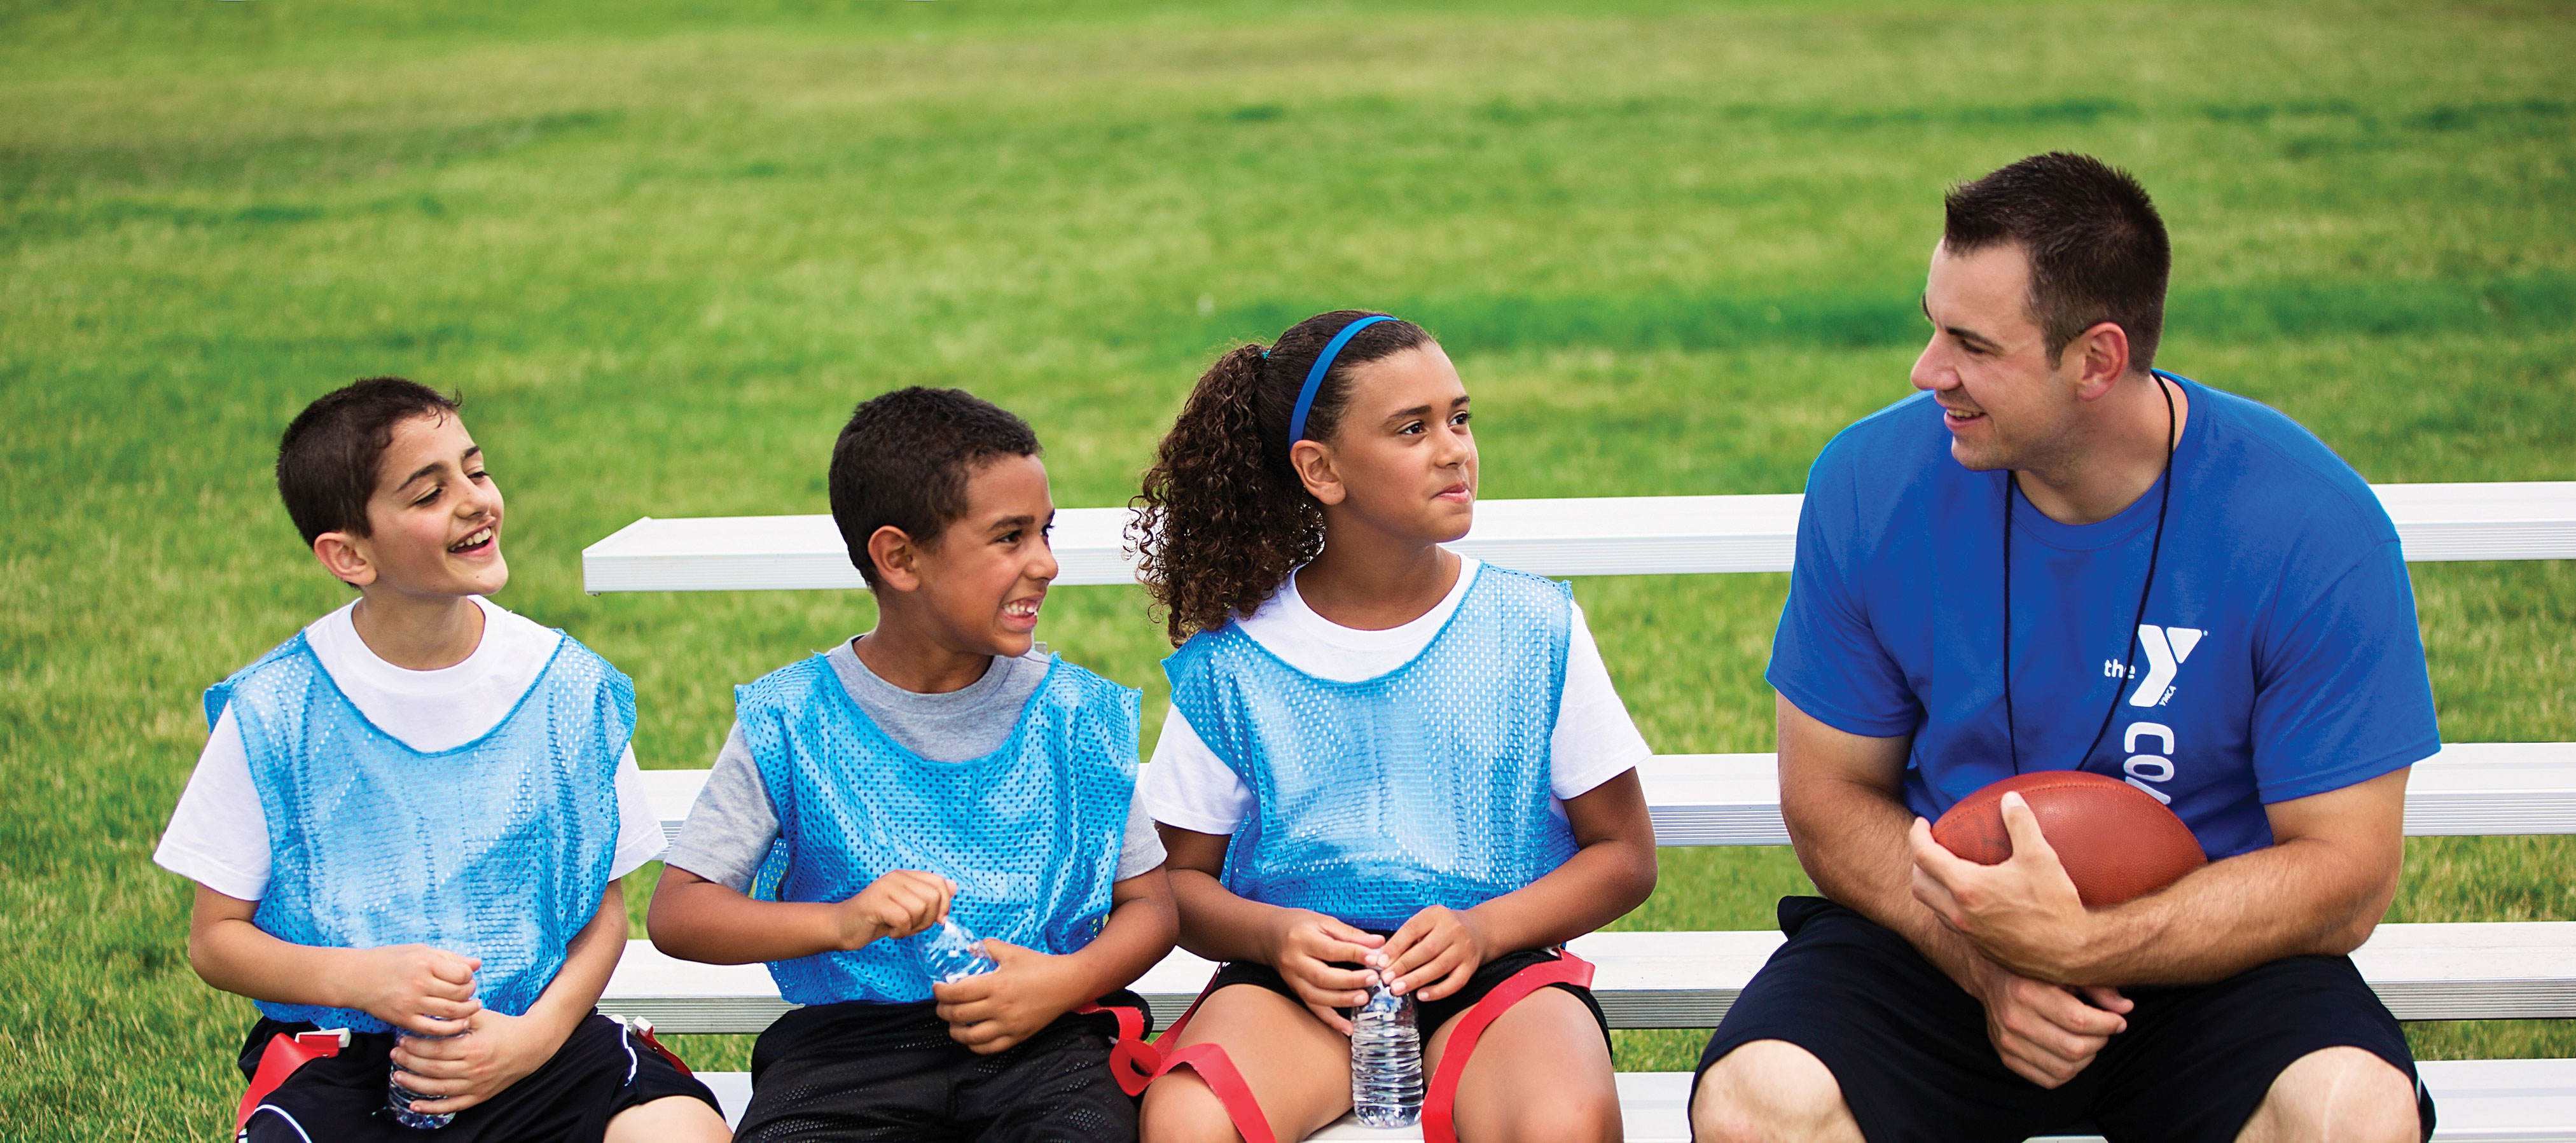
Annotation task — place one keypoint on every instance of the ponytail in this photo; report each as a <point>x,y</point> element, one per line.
<point>1223,519</point>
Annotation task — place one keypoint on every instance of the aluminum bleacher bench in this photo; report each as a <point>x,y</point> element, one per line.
<point>1687,980</point>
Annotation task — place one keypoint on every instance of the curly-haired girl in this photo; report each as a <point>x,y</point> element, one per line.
<point>1384,761</point>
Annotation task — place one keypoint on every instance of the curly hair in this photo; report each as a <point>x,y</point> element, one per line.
<point>1223,519</point>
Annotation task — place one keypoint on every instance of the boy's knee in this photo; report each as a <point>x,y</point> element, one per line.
<point>1770,1090</point>
<point>675,1118</point>
<point>2338,1094</point>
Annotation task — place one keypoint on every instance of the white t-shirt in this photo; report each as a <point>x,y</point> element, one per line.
<point>1595,741</point>
<point>218,836</point>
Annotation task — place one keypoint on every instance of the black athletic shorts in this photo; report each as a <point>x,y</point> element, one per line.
<point>1428,1015</point>
<point>860,1072</point>
<point>1909,1046</point>
<point>600,1070</point>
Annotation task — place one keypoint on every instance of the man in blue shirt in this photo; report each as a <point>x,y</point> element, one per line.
<point>2055,557</point>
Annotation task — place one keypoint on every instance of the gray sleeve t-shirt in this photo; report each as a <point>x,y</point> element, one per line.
<point>730,829</point>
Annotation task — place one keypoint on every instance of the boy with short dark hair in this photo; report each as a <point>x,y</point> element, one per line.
<point>412,816</point>
<point>938,765</point>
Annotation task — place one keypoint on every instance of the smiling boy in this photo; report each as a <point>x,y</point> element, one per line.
<point>938,763</point>
<point>413,814</point>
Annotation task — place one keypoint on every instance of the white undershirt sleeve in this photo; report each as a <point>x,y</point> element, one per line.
<point>1595,740</point>
<point>1187,786</point>
<point>218,835</point>
<point>639,832</point>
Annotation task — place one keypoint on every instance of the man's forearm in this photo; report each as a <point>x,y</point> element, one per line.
<point>1851,839</point>
<point>2292,899</point>
<point>2318,889</point>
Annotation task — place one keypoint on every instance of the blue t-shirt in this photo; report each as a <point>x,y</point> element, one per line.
<point>2278,657</point>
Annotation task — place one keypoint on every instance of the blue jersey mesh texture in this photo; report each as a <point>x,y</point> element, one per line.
<point>498,849</point>
<point>1030,832</point>
<point>1427,785</point>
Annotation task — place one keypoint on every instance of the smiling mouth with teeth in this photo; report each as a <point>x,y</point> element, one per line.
<point>475,539</point>
<point>1021,608</point>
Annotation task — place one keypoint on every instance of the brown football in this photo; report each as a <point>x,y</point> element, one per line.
<point>2117,841</point>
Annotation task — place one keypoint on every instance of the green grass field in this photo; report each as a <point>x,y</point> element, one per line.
<point>663,246</point>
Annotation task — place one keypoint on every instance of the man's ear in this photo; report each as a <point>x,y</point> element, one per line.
<point>1313,463</point>
<point>346,556</point>
<point>2098,358</point>
<point>892,551</point>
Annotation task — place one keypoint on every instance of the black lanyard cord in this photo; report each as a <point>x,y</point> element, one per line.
<point>2155,550</point>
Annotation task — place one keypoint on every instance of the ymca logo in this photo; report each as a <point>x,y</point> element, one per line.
<point>2166,648</point>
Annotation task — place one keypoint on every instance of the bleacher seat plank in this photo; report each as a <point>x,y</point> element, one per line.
<point>1573,536</point>
<point>2502,1101</point>
<point>2481,788</point>
<point>2481,1101</point>
<point>2499,971</point>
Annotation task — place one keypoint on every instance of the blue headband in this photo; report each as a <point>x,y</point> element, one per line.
<point>1315,376</point>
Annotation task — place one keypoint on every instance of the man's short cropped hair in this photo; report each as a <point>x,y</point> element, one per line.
<point>904,459</point>
<point>2097,248</point>
<point>327,461</point>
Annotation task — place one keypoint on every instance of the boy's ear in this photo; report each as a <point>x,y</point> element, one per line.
<point>1314,467</point>
<point>892,551</point>
<point>345,556</point>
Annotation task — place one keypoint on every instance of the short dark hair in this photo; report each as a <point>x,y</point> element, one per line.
<point>327,461</point>
<point>904,458</point>
<point>2097,248</point>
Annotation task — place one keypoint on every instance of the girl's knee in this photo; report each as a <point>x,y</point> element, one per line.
<point>1180,1108</point>
<point>1569,1116</point>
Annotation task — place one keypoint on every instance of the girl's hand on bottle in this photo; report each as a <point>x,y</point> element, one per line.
<point>1434,953</point>
<point>899,904</point>
<point>1307,949</point>
<point>415,987</point>
<point>990,1012</point>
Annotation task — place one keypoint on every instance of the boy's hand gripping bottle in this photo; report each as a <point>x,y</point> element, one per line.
<point>398,1098</point>
<point>950,954</point>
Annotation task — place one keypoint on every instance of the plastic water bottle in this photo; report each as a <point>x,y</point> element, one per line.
<point>1386,1061</point>
<point>950,954</point>
<point>398,1098</point>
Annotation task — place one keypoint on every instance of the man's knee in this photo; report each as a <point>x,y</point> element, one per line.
<point>2337,1094</point>
<point>1770,1090</point>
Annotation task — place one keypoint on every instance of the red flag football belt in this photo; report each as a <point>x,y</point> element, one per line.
<point>1138,1063</point>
